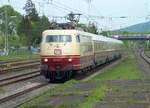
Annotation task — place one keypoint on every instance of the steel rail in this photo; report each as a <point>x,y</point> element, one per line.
<point>19,67</point>
<point>18,78</point>
<point>11,97</point>
<point>145,57</point>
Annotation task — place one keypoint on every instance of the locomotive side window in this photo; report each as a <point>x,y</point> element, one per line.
<point>86,44</point>
<point>58,38</point>
<point>78,38</point>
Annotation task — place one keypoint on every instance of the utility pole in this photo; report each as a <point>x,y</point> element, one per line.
<point>6,49</point>
<point>6,31</point>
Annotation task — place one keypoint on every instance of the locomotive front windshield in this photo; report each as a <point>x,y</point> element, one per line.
<point>58,38</point>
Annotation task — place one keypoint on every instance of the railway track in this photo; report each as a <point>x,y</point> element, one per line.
<point>18,78</point>
<point>13,61</point>
<point>144,63</point>
<point>147,53</point>
<point>17,94</point>
<point>145,57</point>
<point>19,65</point>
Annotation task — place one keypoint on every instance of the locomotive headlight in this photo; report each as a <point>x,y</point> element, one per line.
<point>46,60</point>
<point>69,59</point>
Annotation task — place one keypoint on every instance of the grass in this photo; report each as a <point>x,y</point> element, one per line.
<point>69,105</point>
<point>95,95</point>
<point>19,56</point>
<point>36,102</point>
<point>126,70</point>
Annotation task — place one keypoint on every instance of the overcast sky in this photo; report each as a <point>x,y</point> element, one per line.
<point>136,11</point>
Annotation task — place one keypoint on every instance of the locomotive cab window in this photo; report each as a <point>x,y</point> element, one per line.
<point>58,38</point>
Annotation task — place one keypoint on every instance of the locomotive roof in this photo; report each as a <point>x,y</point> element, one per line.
<point>60,31</point>
<point>94,36</point>
<point>106,39</point>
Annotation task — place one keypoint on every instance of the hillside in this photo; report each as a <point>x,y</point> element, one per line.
<point>142,28</point>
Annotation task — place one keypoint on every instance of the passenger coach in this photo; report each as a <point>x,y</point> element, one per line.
<point>63,52</point>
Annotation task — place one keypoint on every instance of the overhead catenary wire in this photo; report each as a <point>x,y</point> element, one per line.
<point>64,8</point>
<point>72,9</point>
<point>94,17</point>
<point>69,9</point>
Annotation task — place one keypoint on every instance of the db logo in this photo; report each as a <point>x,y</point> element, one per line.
<point>57,46</point>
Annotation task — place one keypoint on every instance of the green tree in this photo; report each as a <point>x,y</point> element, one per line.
<point>83,27</point>
<point>32,25</point>
<point>25,29</point>
<point>92,28</point>
<point>38,28</point>
<point>104,33</point>
<point>1,42</point>
<point>13,18</point>
<point>31,11</point>
<point>31,31</point>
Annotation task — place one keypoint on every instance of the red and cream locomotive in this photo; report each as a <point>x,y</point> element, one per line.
<point>64,52</point>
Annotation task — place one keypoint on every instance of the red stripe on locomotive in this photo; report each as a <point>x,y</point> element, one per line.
<point>63,61</point>
<point>75,60</point>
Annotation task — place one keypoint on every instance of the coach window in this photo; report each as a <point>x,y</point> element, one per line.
<point>78,38</point>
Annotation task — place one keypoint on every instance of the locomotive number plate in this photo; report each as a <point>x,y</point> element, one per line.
<point>57,52</point>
